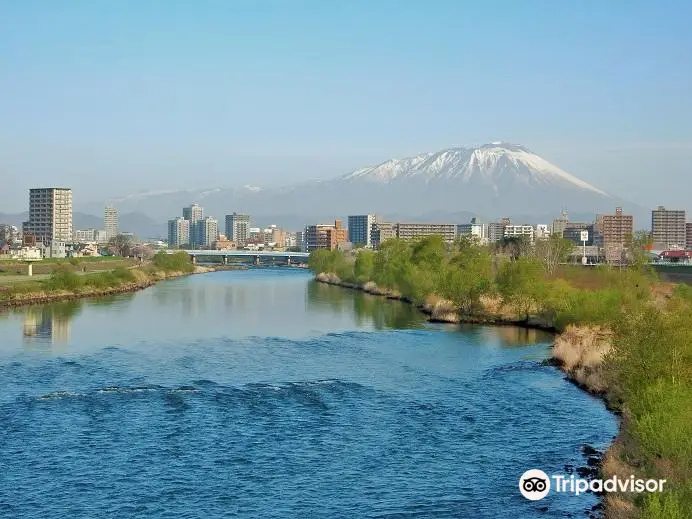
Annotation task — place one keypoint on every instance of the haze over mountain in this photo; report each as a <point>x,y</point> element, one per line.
<point>491,181</point>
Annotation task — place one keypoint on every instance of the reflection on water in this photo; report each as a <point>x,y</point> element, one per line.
<point>508,335</point>
<point>49,324</point>
<point>367,309</point>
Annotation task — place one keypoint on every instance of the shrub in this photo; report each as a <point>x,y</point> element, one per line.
<point>178,262</point>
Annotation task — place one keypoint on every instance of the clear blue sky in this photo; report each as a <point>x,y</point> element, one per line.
<point>116,97</point>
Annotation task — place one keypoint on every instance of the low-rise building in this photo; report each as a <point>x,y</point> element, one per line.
<point>223,243</point>
<point>542,231</point>
<point>85,235</point>
<point>519,231</point>
<point>409,231</point>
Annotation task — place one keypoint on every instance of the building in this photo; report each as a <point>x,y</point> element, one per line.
<point>519,231</point>
<point>617,230</point>
<point>100,236</point>
<point>50,214</point>
<point>110,222</point>
<point>410,231</point>
<point>542,231</point>
<point>300,241</point>
<point>381,232</point>
<point>208,231</point>
<point>573,230</point>
<point>194,214</point>
<point>668,229</point>
<point>178,232</point>
<point>325,236</point>
<point>9,234</point>
<point>238,228</point>
<point>688,228</point>
<point>223,243</point>
<point>360,229</point>
<point>85,236</point>
<point>496,230</point>
<point>560,224</point>
<point>476,230</point>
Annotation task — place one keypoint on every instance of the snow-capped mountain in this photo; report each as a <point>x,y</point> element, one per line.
<point>491,164</point>
<point>491,181</point>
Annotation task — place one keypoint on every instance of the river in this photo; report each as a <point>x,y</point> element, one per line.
<point>262,393</point>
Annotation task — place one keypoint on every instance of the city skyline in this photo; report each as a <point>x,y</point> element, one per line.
<point>198,97</point>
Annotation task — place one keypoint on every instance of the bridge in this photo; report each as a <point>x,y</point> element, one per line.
<point>254,255</point>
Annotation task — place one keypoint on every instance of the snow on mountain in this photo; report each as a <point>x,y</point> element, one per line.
<point>489,164</point>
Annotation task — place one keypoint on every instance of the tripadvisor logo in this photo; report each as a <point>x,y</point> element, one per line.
<point>535,484</point>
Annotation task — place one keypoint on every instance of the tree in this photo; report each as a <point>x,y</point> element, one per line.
<point>553,251</point>
<point>121,245</point>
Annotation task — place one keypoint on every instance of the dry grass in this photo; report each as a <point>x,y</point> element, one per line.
<point>580,350</point>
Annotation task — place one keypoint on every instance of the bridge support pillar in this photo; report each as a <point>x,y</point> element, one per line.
<point>288,260</point>
<point>194,259</point>
<point>31,269</point>
<point>225,260</point>
<point>257,260</point>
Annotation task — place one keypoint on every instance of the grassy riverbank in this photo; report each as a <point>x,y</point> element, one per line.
<point>623,334</point>
<point>67,281</point>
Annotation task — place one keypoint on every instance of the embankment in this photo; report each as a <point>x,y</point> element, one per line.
<point>92,285</point>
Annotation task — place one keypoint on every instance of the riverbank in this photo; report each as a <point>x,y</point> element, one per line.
<point>65,285</point>
<point>622,335</point>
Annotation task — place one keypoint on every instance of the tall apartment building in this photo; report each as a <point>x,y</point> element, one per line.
<point>208,231</point>
<point>178,232</point>
<point>496,231</point>
<point>688,227</point>
<point>560,224</point>
<point>572,232</point>
<point>381,232</point>
<point>409,231</point>
<point>519,231</point>
<point>50,215</point>
<point>476,230</point>
<point>325,236</point>
<point>360,229</point>
<point>194,214</point>
<point>110,222</point>
<point>617,230</point>
<point>668,228</point>
<point>238,228</point>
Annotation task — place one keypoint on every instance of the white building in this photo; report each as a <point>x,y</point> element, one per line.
<point>178,232</point>
<point>476,230</point>
<point>518,231</point>
<point>209,231</point>
<point>110,222</point>
<point>360,229</point>
<point>85,235</point>
<point>542,231</point>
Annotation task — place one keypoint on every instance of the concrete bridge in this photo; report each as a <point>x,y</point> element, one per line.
<point>250,255</point>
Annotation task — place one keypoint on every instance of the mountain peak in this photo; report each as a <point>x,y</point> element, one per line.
<point>497,165</point>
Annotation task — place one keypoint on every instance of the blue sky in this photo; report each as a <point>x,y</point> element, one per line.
<point>117,97</point>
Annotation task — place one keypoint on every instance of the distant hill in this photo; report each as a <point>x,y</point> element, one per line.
<point>491,181</point>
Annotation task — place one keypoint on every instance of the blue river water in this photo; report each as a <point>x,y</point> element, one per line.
<point>262,393</point>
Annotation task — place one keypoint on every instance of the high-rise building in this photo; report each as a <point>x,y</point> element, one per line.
<point>409,231</point>
<point>496,231</point>
<point>238,228</point>
<point>110,222</point>
<point>617,230</point>
<point>50,215</point>
<point>209,231</point>
<point>360,228</point>
<point>178,232</point>
<point>194,214</point>
<point>688,227</point>
<point>668,229</point>
<point>325,236</point>
<point>559,224</point>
